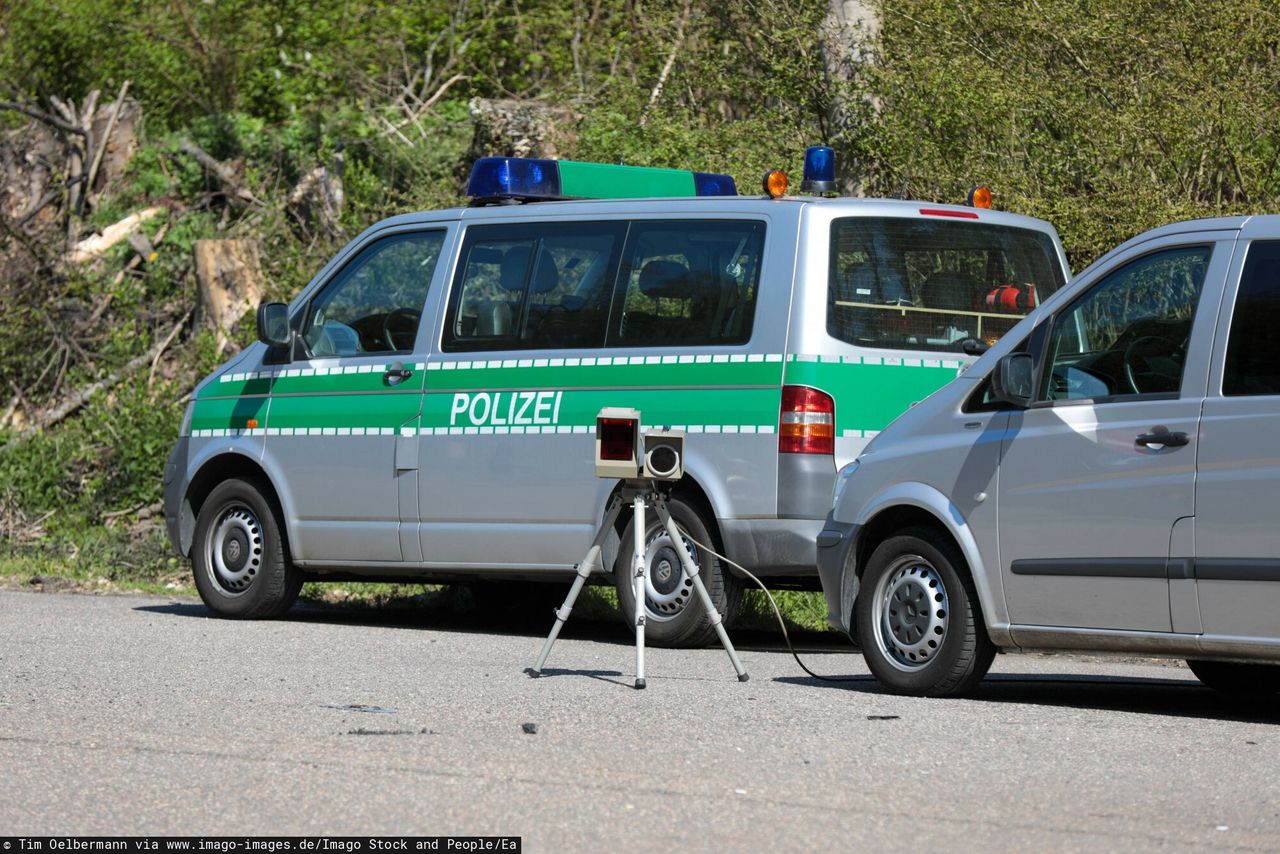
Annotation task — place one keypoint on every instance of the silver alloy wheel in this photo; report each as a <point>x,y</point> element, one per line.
<point>667,589</point>
<point>233,552</point>
<point>910,613</point>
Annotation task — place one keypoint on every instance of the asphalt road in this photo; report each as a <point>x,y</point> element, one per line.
<point>124,716</point>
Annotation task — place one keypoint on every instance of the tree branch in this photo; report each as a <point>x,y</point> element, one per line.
<point>106,137</point>
<point>42,116</point>
<point>670,63</point>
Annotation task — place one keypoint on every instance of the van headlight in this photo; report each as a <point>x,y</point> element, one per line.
<point>842,482</point>
<point>185,428</point>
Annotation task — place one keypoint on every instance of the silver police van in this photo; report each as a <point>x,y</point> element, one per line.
<point>1102,479</point>
<point>425,408</point>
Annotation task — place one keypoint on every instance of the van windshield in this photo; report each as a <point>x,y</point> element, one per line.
<point>926,284</point>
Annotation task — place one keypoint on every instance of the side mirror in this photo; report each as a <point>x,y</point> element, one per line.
<point>1013,381</point>
<point>273,324</point>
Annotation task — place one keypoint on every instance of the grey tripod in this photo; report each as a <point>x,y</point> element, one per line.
<point>639,493</point>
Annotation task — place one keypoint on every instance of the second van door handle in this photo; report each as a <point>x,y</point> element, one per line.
<point>1162,437</point>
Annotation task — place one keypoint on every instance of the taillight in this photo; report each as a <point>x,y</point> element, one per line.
<point>808,421</point>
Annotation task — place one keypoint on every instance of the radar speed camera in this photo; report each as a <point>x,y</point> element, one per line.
<point>621,451</point>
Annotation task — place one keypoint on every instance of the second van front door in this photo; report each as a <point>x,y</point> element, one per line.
<point>1094,476</point>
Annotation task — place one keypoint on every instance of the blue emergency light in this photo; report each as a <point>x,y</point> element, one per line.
<point>497,179</point>
<point>819,170</point>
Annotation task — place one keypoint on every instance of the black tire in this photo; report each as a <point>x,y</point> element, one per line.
<point>939,651</point>
<point>1237,679</point>
<point>239,556</point>
<point>675,617</point>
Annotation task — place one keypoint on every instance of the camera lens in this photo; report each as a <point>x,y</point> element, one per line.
<point>663,460</point>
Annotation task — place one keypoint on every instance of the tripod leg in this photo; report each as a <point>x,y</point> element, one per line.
<point>691,569</point>
<point>639,563</point>
<point>589,564</point>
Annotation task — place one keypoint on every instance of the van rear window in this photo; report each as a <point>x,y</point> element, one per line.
<point>923,284</point>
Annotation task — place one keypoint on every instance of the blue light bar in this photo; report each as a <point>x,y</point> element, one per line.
<point>819,170</point>
<point>711,184</point>
<point>495,179</point>
<point>514,178</point>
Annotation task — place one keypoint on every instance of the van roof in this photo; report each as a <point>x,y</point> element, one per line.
<point>739,204</point>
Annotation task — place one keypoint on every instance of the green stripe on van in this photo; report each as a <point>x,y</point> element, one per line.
<point>228,413</point>
<point>869,394</point>
<point>629,373</point>
<point>735,393</point>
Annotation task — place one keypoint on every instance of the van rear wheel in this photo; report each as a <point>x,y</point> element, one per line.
<point>241,566</point>
<point>674,615</point>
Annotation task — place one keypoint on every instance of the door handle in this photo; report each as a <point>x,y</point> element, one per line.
<point>1163,438</point>
<point>396,374</point>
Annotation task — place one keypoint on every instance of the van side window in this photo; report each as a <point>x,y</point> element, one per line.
<point>932,284</point>
<point>1128,334</point>
<point>689,282</point>
<point>374,304</point>
<point>1253,348</point>
<point>534,286</point>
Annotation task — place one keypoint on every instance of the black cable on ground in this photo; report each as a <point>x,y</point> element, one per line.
<point>781,622</point>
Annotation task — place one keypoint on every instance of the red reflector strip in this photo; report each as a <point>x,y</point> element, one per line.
<point>942,212</point>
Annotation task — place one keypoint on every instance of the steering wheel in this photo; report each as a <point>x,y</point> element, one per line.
<point>400,327</point>
<point>554,327</point>
<point>1137,364</point>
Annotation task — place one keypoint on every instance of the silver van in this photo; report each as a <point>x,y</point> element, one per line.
<point>424,409</point>
<point>1102,479</point>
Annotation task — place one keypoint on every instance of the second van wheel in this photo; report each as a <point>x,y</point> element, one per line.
<point>918,620</point>
<point>674,615</point>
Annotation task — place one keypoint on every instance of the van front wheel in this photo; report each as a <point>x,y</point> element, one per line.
<point>918,620</point>
<point>674,615</point>
<point>241,566</point>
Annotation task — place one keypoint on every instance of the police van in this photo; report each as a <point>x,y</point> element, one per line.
<point>425,408</point>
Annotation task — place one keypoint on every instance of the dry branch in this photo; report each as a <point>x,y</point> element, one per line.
<point>74,401</point>
<point>42,116</point>
<point>670,63</point>
<point>225,175</point>
<point>106,137</point>
<point>92,247</point>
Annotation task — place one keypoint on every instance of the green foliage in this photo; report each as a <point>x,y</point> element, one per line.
<point>1104,119</point>
<point>744,94</point>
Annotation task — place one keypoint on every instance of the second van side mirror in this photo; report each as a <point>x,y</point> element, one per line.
<point>273,324</point>
<point>1013,380</point>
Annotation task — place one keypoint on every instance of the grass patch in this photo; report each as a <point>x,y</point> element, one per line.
<point>802,610</point>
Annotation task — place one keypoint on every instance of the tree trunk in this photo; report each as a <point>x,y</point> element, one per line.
<point>230,282</point>
<point>847,38</point>
<point>315,205</point>
<point>511,128</point>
